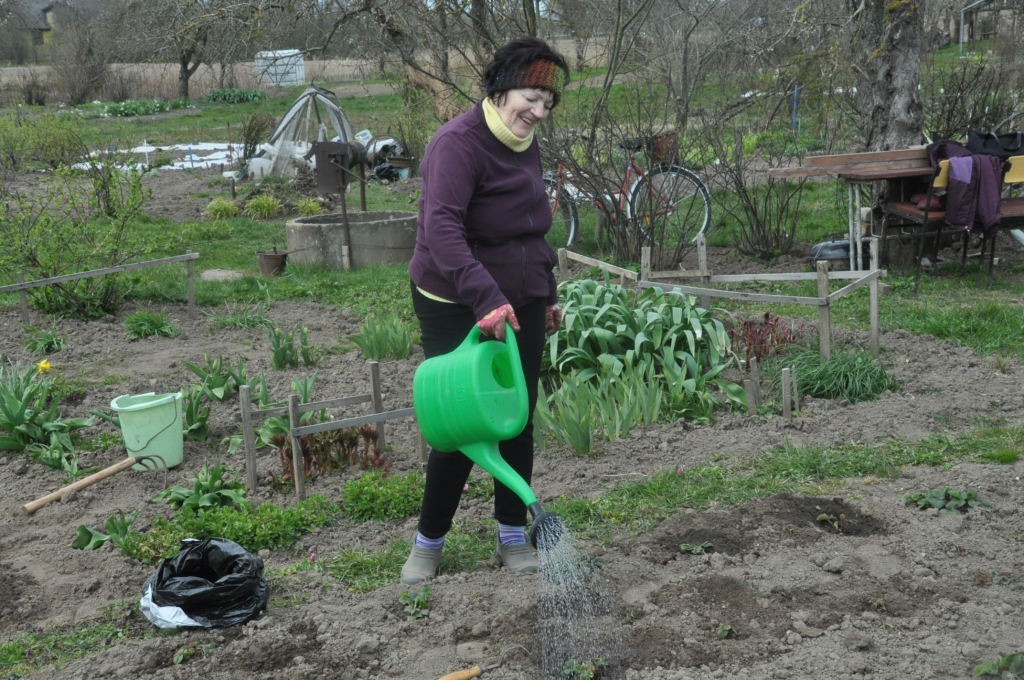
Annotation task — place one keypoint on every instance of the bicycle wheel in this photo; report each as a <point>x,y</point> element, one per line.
<point>565,220</point>
<point>671,205</point>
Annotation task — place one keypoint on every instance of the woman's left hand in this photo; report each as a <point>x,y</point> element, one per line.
<point>553,319</point>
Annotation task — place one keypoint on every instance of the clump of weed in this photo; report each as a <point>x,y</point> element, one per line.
<point>853,376</point>
<point>220,209</point>
<point>145,324</point>
<point>263,207</point>
<point>232,96</point>
<point>307,207</point>
<point>1009,667</point>
<point>384,336</point>
<point>1000,456</point>
<point>374,496</point>
<point>43,341</point>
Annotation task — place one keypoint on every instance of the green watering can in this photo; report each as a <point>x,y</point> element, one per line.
<point>472,398</point>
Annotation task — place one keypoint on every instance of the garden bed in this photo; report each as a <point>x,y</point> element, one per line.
<point>900,593</point>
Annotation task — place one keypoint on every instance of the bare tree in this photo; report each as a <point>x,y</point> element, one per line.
<point>885,53</point>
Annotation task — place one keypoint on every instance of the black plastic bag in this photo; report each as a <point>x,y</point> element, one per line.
<point>1001,146</point>
<point>217,583</point>
<point>385,171</point>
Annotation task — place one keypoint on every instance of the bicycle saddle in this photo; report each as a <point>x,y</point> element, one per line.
<point>632,144</point>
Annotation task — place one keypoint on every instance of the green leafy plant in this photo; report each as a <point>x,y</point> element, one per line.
<point>384,336</point>
<point>220,209</point>
<point>725,631</point>
<point>264,526</point>
<point>218,383</point>
<point>282,347</point>
<point>242,317</point>
<point>307,207</point>
<point>695,549</point>
<point>1000,456</point>
<point>210,488</point>
<point>233,96</point>
<point>196,414</point>
<point>575,670</point>
<point>373,496</point>
<point>145,324</point>
<point>1008,667</point>
<point>43,341</point>
<point>257,384</point>
<point>947,500</point>
<point>840,523</point>
<point>853,376</point>
<point>416,604</point>
<point>309,354</point>
<point>142,107</point>
<point>25,418</point>
<point>263,207</point>
<point>118,530</point>
<point>183,654</point>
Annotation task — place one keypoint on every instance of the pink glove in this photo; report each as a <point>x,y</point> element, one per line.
<point>493,322</point>
<point>553,319</point>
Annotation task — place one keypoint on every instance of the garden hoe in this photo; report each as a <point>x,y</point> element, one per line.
<point>477,671</point>
<point>149,462</point>
<point>472,398</point>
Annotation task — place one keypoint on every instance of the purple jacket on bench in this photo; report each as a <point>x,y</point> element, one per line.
<point>975,184</point>
<point>483,214</point>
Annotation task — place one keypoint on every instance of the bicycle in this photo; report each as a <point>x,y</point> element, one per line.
<point>669,193</point>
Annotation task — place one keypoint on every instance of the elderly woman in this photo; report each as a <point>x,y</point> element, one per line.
<point>481,259</point>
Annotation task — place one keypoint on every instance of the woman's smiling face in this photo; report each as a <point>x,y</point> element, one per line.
<point>523,108</point>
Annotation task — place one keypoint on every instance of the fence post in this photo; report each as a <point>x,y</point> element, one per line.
<point>298,469</point>
<point>563,265</point>
<point>23,297</point>
<point>191,287</point>
<point>873,299</point>
<point>824,313</point>
<point>248,439</point>
<point>787,407</point>
<point>645,263</point>
<point>377,402</point>
<point>748,386</point>
<point>702,264</point>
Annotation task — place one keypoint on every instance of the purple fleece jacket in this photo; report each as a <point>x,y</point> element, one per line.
<point>483,214</point>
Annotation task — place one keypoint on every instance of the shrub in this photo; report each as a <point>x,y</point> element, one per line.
<point>376,497</point>
<point>383,336</point>
<point>15,144</point>
<point>145,324</point>
<point>221,208</point>
<point>56,141</point>
<point>263,207</point>
<point>307,207</point>
<point>254,130</point>
<point>254,528</point>
<point>232,96</point>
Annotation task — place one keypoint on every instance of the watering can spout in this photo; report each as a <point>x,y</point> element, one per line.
<point>547,528</point>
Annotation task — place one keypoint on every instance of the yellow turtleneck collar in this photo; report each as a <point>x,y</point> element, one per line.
<point>501,131</point>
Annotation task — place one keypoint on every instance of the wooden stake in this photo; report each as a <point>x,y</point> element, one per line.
<point>787,407</point>
<point>346,257</point>
<point>748,385</point>
<point>824,313</point>
<point>362,187</point>
<point>248,439</point>
<point>755,376</point>
<point>377,403</point>
<point>233,195</point>
<point>873,300</point>
<point>796,392</point>
<point>298,469</point>
<point>702,265</point>
<point>23,297</point>
<point>563,265</point>
<point>645,263</point>
<point>190,268</point>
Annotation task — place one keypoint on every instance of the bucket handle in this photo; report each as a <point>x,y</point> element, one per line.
<point>177,416</point>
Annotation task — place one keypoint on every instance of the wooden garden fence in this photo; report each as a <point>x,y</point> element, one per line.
<point>21,286</point>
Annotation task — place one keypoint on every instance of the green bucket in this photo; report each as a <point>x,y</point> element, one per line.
<point>472,398</point>
<point>152,426</point>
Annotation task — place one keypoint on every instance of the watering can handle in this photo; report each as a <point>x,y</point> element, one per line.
<point>513,351</point>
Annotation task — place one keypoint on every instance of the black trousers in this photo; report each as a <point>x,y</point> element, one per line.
<point>443,327</point>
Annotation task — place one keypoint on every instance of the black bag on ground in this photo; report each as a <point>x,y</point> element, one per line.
<point>217,582</point>
<point>1001,146</point>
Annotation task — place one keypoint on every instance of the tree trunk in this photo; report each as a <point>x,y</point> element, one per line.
<point>886,51</point>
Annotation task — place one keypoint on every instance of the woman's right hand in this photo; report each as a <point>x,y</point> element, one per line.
<point>493,322</point>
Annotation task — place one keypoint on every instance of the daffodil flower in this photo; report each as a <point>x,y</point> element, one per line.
<point>43,365</point>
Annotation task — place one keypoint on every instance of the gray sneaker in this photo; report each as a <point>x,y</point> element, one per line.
<point>421,565</point>
<point>519,558</point>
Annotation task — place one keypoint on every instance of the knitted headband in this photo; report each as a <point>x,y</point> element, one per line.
<point>540,73</point>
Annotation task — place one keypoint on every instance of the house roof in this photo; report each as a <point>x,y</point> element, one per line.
<point>32,13</point>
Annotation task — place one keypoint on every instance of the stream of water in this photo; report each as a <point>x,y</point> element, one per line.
<point>576,621</point>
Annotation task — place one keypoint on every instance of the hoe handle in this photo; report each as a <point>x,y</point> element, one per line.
<point>29,508</point>
<point>474,672</point>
